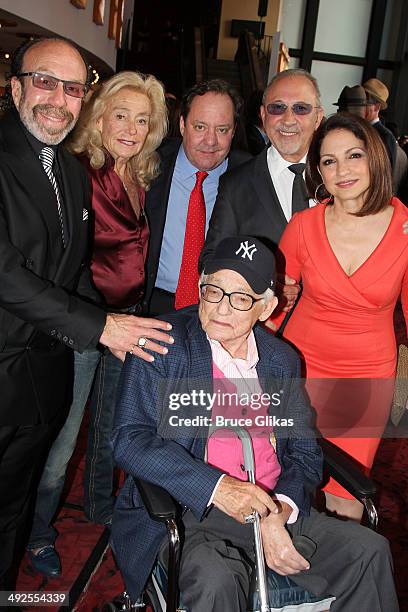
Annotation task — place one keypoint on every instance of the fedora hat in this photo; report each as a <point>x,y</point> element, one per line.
<point>377,92</point>
<point>352,96</point>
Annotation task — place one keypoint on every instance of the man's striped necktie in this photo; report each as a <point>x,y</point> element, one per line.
<point>47,160</point>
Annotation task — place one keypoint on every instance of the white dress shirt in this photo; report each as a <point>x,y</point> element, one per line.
<point>282,179</point>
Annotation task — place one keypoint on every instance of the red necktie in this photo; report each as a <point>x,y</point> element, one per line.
<point>187,286</point>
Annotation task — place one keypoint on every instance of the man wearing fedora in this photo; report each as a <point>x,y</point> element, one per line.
<point>377,96</point>
<point>352,100</point>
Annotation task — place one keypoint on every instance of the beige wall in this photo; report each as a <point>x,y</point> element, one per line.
<point>242,9</point>
<point>61,17</point>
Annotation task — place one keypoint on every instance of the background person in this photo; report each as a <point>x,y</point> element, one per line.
<point>117,137</point>
<point>352,258</point>
<point>352,100</point>
<point>256,136</point>
<point>377,96</point>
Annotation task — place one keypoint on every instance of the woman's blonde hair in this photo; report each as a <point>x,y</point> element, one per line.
<point>87,138</point>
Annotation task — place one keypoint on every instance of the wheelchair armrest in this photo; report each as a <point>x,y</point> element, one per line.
<point>158,502</point>
<point>347,474</point>
<point>163,508</point>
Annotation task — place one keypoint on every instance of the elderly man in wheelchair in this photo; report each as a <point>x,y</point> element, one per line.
<point>165,416</point>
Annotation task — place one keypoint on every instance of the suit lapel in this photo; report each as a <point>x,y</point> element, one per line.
<point>265,190</point>
<point>30,171</point>
<point>72,199</point>
<point>157,199</point>
<point>40,193</point>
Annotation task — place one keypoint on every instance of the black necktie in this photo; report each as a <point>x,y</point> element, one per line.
<point>47,160</point>
<point>300,199</point>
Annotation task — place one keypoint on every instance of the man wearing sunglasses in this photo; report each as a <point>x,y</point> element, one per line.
<point>260,196</point>
<point>44,226</point>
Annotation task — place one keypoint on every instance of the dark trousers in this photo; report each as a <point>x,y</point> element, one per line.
<point>351,562</point>
<point>161,302</point>
<point>22,452</point>
<point>99,468</point>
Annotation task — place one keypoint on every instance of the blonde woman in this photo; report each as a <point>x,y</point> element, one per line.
<point>116,138</point>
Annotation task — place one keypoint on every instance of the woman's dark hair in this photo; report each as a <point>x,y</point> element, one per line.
<point>380,189</point>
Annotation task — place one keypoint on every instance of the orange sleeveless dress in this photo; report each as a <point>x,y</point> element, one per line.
<point>343,329</point>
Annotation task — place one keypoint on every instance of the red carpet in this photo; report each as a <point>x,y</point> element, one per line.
<point>81,546</point>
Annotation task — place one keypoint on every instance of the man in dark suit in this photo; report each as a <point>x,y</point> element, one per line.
<point>377,96</point>
<point>209,113</point>
<point>258,197</point>
<point>256,136</point>
<point>221,353</point>
<point>44,224</point>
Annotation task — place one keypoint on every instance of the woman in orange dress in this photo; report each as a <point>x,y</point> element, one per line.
<point>352,257</point>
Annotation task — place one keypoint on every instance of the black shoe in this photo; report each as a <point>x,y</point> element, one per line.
<point>46,561</point>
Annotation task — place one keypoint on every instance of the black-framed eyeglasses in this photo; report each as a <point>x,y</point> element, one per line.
<point>49,83</point>
<point>239,301</point>
<point>298,108</point>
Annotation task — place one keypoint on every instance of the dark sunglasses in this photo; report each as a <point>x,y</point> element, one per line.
<point>49,83</point>
<point>298,108</point>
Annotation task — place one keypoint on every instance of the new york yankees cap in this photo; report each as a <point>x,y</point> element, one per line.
<point>249,257</point>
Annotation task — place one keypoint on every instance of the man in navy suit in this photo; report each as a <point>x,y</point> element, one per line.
<point>221,348</point>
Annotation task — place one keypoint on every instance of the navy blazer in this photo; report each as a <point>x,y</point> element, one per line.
<point>143,450</point>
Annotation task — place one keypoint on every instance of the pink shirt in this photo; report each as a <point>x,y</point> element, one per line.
<point>224,449</point>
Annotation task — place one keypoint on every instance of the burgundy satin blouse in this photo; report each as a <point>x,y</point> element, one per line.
<point>120,241</point>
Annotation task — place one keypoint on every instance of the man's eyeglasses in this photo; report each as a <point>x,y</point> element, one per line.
<point>49,83</point>
<point>298,108</point>
<point>238,300</point>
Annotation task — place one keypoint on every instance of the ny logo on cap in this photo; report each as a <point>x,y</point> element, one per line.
<point>248,251</point>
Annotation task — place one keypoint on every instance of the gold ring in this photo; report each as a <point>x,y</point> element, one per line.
<point>142,341</point>
<point>132,347</point>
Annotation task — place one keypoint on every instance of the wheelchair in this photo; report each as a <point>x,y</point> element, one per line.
<point>270,592</point>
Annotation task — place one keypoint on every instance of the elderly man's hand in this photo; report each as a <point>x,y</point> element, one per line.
<point>238,499</point>
<point>290,290</point>
<point>122,333</point>
<point>280,554</point>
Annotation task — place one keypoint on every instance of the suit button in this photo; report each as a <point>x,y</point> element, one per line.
<point>65,338</point>
<point>53,332</point>
<point>59,335</point>
<point>29,263</point>
<point>70,342</point>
